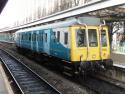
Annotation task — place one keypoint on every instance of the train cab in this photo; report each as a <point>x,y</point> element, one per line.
<point>90,45</point>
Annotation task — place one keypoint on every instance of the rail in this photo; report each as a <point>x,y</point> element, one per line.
<point>27,81</point>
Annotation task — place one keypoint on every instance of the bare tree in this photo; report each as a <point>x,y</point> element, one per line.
<point>117,25</point>
<point>56,6</point>
<point>86,1</point>
<point>69,4</point>
<point>76,2</point>
<point>39,12</point>
<point>43,12</point>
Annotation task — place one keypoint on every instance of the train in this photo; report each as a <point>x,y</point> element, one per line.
<point>82,42</point>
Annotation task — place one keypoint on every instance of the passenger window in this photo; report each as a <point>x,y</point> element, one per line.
<point>54,36</point>
<point>19,36</point>
<point>81,38</point>
<point>66,38</point>
<point>45,37</point>
<point>29,36</point>
<point>103,38</point>
<point>41,37</point>
<point>58,36</point>
<point>26,36</point>
<point>34,37</point>
<point>22,36</point>
<point>92,35</point>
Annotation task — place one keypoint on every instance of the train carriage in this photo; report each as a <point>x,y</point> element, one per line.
<point>82,42</point>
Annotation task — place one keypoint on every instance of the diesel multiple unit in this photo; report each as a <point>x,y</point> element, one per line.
<point>82,42</point>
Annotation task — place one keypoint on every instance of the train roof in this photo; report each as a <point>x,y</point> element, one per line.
<point>54,25</point>
<point>67,23</point>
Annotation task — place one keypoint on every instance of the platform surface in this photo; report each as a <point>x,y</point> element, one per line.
<point>118,59</point>
<point>3,89</point>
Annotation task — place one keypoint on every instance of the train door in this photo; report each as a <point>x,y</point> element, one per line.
<point>40,41</point>
<point>93,43</point>
<point>34,41</point>
<point>78,44</point>
<point>85,44</point>
<point>105,48</point>
<point>46,41</point>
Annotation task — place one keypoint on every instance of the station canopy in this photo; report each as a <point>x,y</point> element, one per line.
<point>116,13</point>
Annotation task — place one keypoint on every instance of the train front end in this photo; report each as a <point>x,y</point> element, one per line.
<point>90,47</point>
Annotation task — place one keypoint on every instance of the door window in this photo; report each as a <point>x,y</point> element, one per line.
<point>92,35</point>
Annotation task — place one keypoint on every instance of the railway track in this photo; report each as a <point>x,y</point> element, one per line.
<point>101,86</point>
<point>27,81</point>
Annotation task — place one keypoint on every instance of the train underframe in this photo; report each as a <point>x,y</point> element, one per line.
<point>85,67</point>
<point>81,69</point>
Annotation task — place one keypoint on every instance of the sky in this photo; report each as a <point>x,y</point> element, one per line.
<point>16,10</point>
<point>11,12</point>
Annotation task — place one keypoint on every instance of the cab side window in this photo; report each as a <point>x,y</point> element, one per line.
<point>66,38</point>
<point>81,38</point>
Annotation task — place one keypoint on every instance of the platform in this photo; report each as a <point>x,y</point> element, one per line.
<point>4,84</point>
<point>118,58</point>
